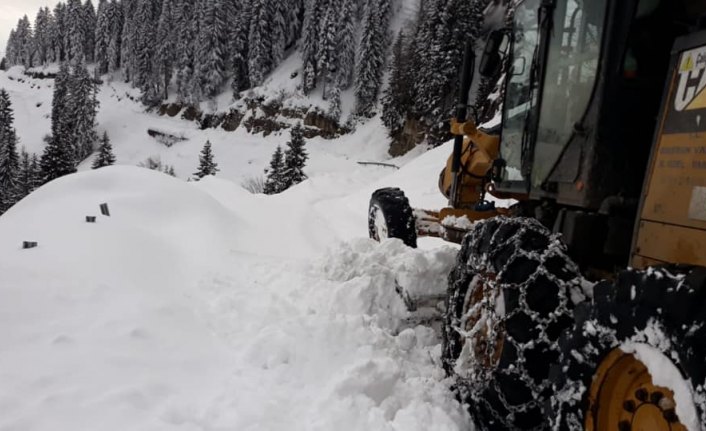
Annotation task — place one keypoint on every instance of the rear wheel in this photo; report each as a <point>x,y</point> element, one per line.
<point>391,216</point>
<point>635,357</point>
<point>509,299</point>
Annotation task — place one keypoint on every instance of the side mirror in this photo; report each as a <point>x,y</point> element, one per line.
<point>492,59</point>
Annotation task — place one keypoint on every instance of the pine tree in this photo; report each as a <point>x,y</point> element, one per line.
<point>37,175</point>
<point>144,26</point>
<point>57,159</point>
<point>397,100</point>
<point>207,166</point>
<point>371,55</point>
<point>11,49</point>
<point>88,15</point>
<point>275,181</point>
<point>25,179</point>
<point>310,43</point>
<point>102,37</point>
<point>24,43</point>
<point>60,103</point>
<point>76,31</point>
<point>211,49</point>
<point>42,36</point>
<point>260,61</point>
<point>29,178</point>
<point>186,25</point>
<point>238,47</point>
<point>105,153</point>
<point>346,44</point>
<point>279,31</point>
<point>128,38</point>
<point>3,64</point>
<point>58,33</point>
<point>166,54</point>
<point>115,20</point>
<point>328,47</point>
<point>9,158</point>
<point>295,158</point>
<point>82,108</point>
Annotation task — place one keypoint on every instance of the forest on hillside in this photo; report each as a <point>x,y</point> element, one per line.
<point>195,50</point>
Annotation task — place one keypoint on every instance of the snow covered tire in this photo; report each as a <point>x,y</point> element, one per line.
<point>391,216</point>
<point>659,308</point>
<point>509,299</point>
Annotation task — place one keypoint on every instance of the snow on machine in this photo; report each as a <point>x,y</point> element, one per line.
<point>602,145</point>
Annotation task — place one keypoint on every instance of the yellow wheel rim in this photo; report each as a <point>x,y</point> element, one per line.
<point>624,398</point>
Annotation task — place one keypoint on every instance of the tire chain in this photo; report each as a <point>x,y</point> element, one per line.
<point>473,384</point>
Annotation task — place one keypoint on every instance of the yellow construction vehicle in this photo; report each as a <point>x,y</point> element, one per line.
<point>602,145</point>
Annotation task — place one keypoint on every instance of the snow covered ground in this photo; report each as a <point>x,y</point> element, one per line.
<point>200,306</point>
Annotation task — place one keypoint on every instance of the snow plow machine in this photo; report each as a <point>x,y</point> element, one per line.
<point>581,306</point>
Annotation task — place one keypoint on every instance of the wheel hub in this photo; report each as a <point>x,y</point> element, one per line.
<point>623,397</point>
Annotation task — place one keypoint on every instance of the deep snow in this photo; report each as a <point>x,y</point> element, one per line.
<point>202,306</point>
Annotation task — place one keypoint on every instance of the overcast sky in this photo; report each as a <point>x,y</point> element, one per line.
<point>13,10</point>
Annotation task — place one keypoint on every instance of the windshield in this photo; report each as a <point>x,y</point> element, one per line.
<point>570,77</point>
<point>518,91</point>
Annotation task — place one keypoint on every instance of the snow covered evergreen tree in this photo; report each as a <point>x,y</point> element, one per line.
<point>207,166</point>
<point>371,55</point>
<point>58,33</point>
<point>26,175</point>
<point>105,153</point>
<point>186,27</point>
<point>102,37</point>
<point>11,49</point>
<point>328,48</point>
<point>346,44</point>
<point>24,46</point>
<point>260,60</point>
<point>44,52</point>
<point>115,20</point>
<point>60,102</point>
<point>238,47</point>
<point>275,174</point>
<point>128,38</point>
<point>145,28</point>
<point>310,43</point>
<point>76,31</point>
<point>211,49</point>
<point>295,157</point>
<point>166,43</point>
<point>88,16</point>
<point>9,158</point>
<point>398,97</point>
<point>57,159</point>
<point>82,109</point>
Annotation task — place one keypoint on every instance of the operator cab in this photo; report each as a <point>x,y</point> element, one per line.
<point>579,71</point>
<point>582,94</point>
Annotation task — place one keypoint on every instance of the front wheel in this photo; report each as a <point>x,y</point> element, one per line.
<point>391,216</point>
<point>635,357</point>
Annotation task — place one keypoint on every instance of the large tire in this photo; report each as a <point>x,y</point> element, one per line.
<point>391,216</point>
<point>654,308</point>
<point>510,297</point>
